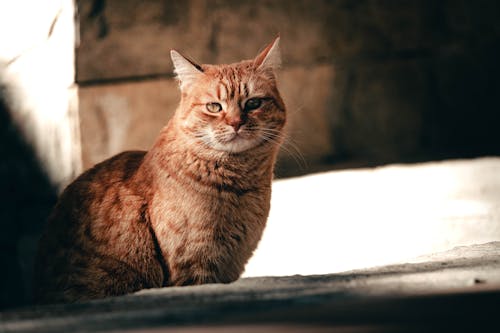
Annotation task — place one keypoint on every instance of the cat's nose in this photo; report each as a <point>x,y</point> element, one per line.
<point>234,122</point>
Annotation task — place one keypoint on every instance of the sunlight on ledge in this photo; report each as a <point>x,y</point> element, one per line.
<point>345,220</point>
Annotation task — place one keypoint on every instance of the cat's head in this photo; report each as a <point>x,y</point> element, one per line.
<point>231,108</point>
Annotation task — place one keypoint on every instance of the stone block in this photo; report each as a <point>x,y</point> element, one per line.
<point>385,99</point>
<point>132,38</point>
<point>302,24</point>
<point>129,38</point>
<point>365,29</point>
<point>380,109</point>
<point>307,92</point>
<point>128,116</point>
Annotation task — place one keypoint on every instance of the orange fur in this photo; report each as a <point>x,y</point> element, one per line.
<point>189,211</point>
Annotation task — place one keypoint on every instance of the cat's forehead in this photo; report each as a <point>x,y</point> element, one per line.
<point>235,71</point>
<point>234,80</point>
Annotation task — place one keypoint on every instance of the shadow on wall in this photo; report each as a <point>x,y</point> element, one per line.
<point>26,197</point>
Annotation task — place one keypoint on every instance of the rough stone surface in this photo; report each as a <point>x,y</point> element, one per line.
<point>40,80</point>
<point>126,116</point>
<point>39,137</point>
<point>133,38</point>
<point>381,81</point>
<point>464,279</point>
<point>308,96</point>
<point>380,108</point>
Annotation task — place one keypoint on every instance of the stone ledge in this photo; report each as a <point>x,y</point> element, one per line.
<point>429,295</point>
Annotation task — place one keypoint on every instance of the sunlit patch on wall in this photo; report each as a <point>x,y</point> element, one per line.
<point>37,57</point>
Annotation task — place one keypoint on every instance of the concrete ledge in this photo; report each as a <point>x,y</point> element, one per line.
<point>453,290</point>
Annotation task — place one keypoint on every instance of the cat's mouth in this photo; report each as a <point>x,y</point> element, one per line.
<point>234,137</point>
<point>235,142</point>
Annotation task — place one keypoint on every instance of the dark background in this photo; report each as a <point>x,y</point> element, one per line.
<point>26,197</point>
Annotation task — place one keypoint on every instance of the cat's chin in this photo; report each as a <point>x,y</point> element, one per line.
<point>236,145</point>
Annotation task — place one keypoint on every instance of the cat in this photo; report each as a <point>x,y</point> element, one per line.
<point>189,211</point>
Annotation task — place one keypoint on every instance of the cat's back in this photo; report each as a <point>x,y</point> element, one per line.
<point>118,168</point>
<point>96,185</point>
<point>98,226</point>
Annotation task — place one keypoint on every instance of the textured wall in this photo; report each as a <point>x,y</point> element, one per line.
<point>365,81</point>
<point>39,132</point>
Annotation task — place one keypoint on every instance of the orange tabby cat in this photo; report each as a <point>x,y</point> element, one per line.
<point>189,211</point>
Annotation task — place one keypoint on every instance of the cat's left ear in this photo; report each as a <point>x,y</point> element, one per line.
<point>187,71</point>
<point>270,58</point>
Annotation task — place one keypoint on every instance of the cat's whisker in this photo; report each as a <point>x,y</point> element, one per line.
<point>289,148</point>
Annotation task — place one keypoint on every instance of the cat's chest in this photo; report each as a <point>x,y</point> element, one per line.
<point>193,212</point>
<point>207,237</point>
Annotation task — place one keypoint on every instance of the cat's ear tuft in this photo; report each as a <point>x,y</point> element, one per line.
<point>186,70</point>
<point>270,57</point>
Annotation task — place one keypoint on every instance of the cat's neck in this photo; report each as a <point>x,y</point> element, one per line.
<point>173,157</point>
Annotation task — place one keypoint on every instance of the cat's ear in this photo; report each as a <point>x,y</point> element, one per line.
<point>186,70</point>
<point>270,58</point>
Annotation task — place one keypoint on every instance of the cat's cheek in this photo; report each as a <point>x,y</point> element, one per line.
<point>204,139</point>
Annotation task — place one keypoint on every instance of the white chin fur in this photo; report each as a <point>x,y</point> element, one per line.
<point>229,143</point>
<point>237,145</point>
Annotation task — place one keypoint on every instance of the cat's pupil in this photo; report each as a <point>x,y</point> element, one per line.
<point>214,107</point>
<point>252,104</point>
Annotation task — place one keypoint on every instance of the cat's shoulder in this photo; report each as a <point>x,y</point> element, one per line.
<point>122,165</point>
<point>112,171</point>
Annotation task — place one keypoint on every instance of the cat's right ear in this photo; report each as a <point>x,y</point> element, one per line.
<point>270,57</point>
<point>187,71</point>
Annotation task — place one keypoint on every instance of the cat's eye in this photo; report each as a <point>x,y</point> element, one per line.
<point>214,107</point>
<point>252,104</point>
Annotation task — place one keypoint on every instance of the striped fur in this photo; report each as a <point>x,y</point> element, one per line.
<point>189,211</point>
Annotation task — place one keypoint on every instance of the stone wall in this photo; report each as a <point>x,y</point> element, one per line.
<point>39,130</point>
<point>364,81</point>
